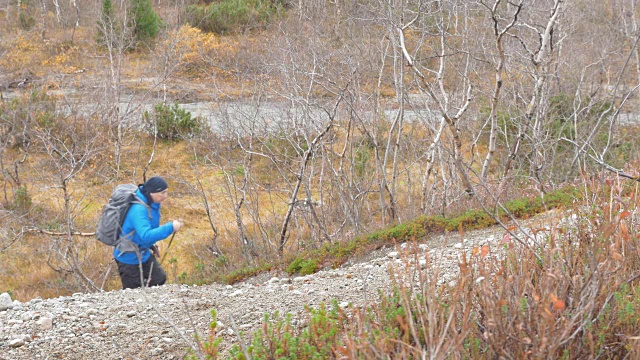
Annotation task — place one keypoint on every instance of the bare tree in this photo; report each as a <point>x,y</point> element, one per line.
<point>70,145</point>
<point>312,146</point>
<point>499,31</point>
<point>540,56</point>
<point>16,128</point>
<point>117,38</point>
<point>452,104</point>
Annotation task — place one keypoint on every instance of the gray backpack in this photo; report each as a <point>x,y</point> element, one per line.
<point>113,213</point>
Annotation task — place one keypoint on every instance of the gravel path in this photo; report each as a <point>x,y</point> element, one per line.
<point>160,322</point>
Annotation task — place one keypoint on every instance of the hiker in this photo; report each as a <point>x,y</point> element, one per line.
<point>142,228</point>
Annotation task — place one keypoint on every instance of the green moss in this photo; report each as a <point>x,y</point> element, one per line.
<point>338,253</point>
<point>245,273</point>
<point>303,266</point>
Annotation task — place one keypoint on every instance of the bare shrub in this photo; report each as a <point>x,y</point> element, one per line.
<point>578,300</point>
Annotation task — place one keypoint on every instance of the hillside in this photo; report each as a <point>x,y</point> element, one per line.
<point>286,126</point>
<point>298,136</point>
<point>161,322</point>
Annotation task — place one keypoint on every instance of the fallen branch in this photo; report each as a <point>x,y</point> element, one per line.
<point>614,170</point>
<point>54,233</point>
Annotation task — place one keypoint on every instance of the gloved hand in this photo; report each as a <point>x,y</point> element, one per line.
<point>177,224</point>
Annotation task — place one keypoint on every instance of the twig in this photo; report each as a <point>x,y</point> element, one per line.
<point>13,241</point>
<point>106,276</point>
<point>614,170</point>
<point>55,233</point>
<point>171,324</point>
<point>235,329</point>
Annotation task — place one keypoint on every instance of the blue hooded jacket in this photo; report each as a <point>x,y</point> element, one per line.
<point>147,231</point>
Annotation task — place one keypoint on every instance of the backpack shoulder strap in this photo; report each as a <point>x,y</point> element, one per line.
<point>137,200</point>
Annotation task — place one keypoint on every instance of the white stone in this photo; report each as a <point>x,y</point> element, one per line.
<point>273,280</point>
<point>15,343</point>
<point>393,255</point>
<point>5,301</point>
<point>45,323</point>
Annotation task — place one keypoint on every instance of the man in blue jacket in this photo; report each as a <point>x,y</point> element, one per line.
<point>141,230</point>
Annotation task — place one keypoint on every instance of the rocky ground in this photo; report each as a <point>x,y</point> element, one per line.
<point>161,322</point>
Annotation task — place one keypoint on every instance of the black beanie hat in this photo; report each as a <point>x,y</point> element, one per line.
<point>155,184</point>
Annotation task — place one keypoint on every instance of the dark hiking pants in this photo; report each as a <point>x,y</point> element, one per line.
<point>152,274</point>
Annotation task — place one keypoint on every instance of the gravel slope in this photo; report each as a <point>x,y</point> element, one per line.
<point>160,322</point>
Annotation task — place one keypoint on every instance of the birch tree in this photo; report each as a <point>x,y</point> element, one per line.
<point>540,57</point>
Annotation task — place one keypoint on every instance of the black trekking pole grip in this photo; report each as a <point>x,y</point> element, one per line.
<point>167,249</point>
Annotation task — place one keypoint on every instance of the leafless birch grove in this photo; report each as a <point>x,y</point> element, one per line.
<point>352,115</point>
<point>439,104</point>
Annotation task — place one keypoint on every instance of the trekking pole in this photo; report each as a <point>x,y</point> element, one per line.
<point>167,249</point>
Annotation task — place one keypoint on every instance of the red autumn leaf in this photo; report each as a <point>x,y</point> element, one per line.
<point>485,250</point>
<point>558,305</point>
<point>624,233</point>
